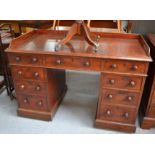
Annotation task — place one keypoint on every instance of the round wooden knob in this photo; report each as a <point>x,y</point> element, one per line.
<point>38,88</point>
<point>110,96</point>
<point>129,98</point>
<point>34,59</point>
<point>87,63</point>
<point>40,103</point>
<point>112,81</point>
<point>58,61</point>
<point>126,115</point>
<point>18,58</point>
<point>108,112</point>
<point>113,66</point>
<point>135,67</point>
<point>22,86</point>
<point>36,74</point>
<point>132,83</point>
<point>25,100</point>
<point>19,72</point>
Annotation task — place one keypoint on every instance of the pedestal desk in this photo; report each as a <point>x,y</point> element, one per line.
<point>38,71</point>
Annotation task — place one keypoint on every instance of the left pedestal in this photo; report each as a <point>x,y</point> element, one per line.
<point>39,91</point>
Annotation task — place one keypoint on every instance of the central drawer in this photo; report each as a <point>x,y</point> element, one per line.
<point>121,81</point>
<point>73,63</point>
<point>117,113</point>
<point>109,96</point>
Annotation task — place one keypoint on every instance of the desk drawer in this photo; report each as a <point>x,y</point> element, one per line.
<point>73,63</point>
<point>117,113</point>
<point>30,87</point>
<point>124,66</point>
<point>87,64</point>
<point>32,102</point>
<point>119,97</point>
<point>26,59</point>
<point>33,73</point>
<point>121,82</point>
<point>58,61</point>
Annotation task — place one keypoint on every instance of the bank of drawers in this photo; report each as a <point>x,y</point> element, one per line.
<point>120,97</point>
<point>31,87</point>
<point>81,63</point>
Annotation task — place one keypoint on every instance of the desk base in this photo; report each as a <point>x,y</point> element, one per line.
<point>42,115</point>
<point>115,126</point>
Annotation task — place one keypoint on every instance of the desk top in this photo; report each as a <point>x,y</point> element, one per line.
<point>111,45</point>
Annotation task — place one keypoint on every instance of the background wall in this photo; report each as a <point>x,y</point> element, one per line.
<point>143,26</point>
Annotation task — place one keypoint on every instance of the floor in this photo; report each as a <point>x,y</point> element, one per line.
<point>76,114</point>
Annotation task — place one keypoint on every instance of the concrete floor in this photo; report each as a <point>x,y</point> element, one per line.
<point>76,114</point>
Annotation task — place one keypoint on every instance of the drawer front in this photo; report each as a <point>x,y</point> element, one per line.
<point>121,82</point>
<point>25,59</point>
<point>117,113</point>
<point>87,64</point>
<point>30,87</point>
<point>33,73</point>
<point>58,61</point>
<point>73,63</point>
<point>124,66</point>
<point>119,97</point>
<point>32,102</point>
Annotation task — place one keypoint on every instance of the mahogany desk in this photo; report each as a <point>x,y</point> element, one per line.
<point>39,74</point>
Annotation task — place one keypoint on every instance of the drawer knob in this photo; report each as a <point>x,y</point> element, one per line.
<point>18,58</point>
<point>112,81</point>
<point>110,96</point>
<point>40,103</point>
<point>58,61</point>
<point>22,86</point>
<point>126,115</point>
<point>135,67</point>
<point>34,59</point>
<point>25,100</point>
<point>132,83</point>
<point>38,88</point>
<point>129,98</point>
<point>19,72</point>
<point>113,66</point>
<point>36,74</point>
<point>108,112</point>
<point>87,63</point>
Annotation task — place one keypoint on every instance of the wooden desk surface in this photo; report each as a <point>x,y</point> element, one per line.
<point>111,45</point>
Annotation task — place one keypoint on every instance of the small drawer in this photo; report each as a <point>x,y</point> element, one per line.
<point>25,59</point>
<point>117,113</point>
<point>30,87</point>
<point>87,64</point>
<point>119,97</point>
<point>124,66</point>
<point>58,61</point>
<point>32,102</point>
<point>121,82</point>
<point>33,73</point>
